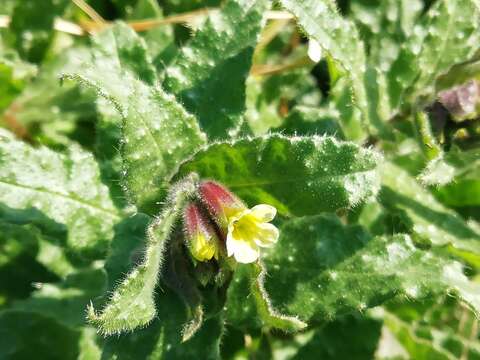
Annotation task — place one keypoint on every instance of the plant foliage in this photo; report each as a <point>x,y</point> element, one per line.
<point>370,156</point>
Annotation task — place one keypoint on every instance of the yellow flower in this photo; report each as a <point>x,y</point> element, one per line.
<point>203,249</point>
<point>249,230</point>
<point>202,239</point>
<point>244,230</point>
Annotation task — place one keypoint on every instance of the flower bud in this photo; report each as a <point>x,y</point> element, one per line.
<point>220,202</point>
<point>202,239</point>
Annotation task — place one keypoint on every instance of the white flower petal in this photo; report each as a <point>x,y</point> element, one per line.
<point>246,253</point>
<point>248,230</point>
<point>243,251</point>
<point>267,235</point>
<point>263,213</point>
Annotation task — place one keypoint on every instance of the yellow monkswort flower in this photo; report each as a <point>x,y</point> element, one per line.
<point>245,230</point>
<point>202,240</point>
<point>249,230</point>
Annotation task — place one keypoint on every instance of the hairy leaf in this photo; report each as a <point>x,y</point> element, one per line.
<point>127,247</point>
<point>26,335</point>
<point>298,175</point>
<point>463,192</point>
<point>19,267</point>
<point>304,120</point>
<point>350,117</point>
<point>437,172</point>
<point>14,74</point>
<point>248,304</point>
<point>339,38</point>
<point>157,133</point>
<point>53,114</point>
<point>159,40</point>
<point>65,302</point>
<point>32,34</point>
<point>338,269</point>
<point>425,216</point>
<point>65,188</point>
<point>444,37</point>
<point>15,240</point>
<point>210,72</point>
<point>268,97</point>
<point>132,304</point>
<point>428,144</point>
<point>162,339</point>
<point>422,338</point>
<point>18,240</point>
<point>329,342</point>
<point>389,27</point>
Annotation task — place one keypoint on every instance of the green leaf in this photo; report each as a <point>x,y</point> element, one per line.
<point>65,188</point>
<point>7,6</point>
<point>108,136</point>
<point>52,114</point>
<point>425,216</point>
<point>441,326</point>
<point>210,72</point>
<point>157,133</point>
<point>123,53</point>
<point>14,74</point>
<point>159,40</point>
<point>153,149</point>
<point>444,37</point>
<point>298,175</point>
<point>428,144</point>
<point>127,247</point>
<point>21,237</point>
<point>66,301</point>
<point>305,120</point>
<point>162,339</point>
<point>51,254</point>
<point>463,192</point>
<point>19,268</point>
<point>248,304</point>
<point>388,24</point>
<point>268,96</point>
<point>42,237</point>
<point>340,39</point>
<point>322,22</point>
<point>132,304</point>
<point>88,345</point>
<point>338,270</point>
<point>415,346</point>
<point>361,333</point>
<point>32,34</point>
<point>15,240</point>
<point>350,117</point>
<point>458,282</point>
<point>26,335</point>
<point>422,338</point>
<point>261,115</point>
<point>437,171</point>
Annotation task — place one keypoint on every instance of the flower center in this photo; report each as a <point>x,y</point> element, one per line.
<point>245,228</point>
